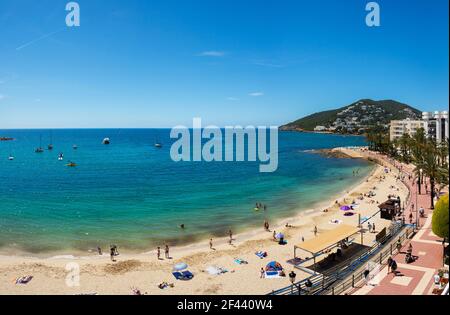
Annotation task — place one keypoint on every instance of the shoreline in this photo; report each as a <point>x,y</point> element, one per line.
<point>245,234</point>
<point>144,271</point>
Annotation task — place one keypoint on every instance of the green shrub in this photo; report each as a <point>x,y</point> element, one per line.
<point>440,218</point>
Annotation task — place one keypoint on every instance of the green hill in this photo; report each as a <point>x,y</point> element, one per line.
<point>356,117</point>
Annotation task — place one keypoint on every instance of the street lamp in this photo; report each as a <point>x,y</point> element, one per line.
<point>417,205</point>
<point>292,276</point>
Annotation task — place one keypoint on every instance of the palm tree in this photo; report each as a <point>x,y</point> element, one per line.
<point>417,147</point>
<point>427,164</point>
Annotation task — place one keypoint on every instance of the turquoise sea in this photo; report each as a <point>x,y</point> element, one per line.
<point>132,194</point>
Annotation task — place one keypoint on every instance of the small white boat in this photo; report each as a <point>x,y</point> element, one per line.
<point>106,141</point>
<point>75,147</point>
<point>60,157</point>
<point>158,145</point>
<point>11,158</point>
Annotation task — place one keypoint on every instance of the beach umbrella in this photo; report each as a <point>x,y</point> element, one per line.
<point>180,267</point>
<point>279,235</point>
<point>274,266</point>
<point>346,208</point>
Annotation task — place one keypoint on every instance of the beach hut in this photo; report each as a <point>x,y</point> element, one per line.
<point>326,241</point>
<point>389,209</point>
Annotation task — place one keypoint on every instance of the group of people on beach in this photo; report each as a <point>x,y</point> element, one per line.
<point>166,252</point>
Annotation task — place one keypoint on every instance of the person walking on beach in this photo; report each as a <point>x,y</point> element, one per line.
<point>369,226</point>
<point>112,253</point>
<point>166,252</point>
<point>315,231</point>
<point>158,253</point>
<point>211,243</point>
<point>274,235</point>
<point>262,274</point>
<point>373,228</point>
<point>230,233</point>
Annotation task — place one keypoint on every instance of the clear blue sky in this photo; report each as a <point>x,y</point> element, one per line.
<point>139,63</point>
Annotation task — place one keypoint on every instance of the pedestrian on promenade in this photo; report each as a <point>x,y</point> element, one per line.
<point>399,245</point>
<point>366,275</point>
<point>389,264</point>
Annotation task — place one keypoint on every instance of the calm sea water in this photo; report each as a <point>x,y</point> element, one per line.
<point>132,194</point>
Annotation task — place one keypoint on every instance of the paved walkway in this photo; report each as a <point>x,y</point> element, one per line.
<point>415,278</point>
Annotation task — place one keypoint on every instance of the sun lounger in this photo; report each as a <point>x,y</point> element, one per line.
<point>178,275</point>
<point>185,275</point>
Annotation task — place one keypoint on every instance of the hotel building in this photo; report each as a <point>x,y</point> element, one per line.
<point>436,125</point>
<point>406,126</point>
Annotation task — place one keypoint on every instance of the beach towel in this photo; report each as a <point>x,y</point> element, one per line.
<point>295,261</point>
<point>213,270</point>
<point>272,275</point>
<point>240,261</point>
<point>261,254</point>
<point>24,280</point>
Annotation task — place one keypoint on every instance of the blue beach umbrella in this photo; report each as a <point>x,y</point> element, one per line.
<point>180,267</point>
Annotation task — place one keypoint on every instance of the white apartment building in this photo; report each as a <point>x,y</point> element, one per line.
<point>436,125</point>
<point>406,126</point>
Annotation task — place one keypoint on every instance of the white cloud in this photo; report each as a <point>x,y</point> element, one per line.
<point>212,53</point>
<point>233,99</point>
<point>256,94</point>
<point>263,63</point>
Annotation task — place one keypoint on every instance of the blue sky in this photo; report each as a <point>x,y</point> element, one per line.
<point>139,63</point>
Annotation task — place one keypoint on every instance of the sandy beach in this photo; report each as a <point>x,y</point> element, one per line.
<point>98,275</point>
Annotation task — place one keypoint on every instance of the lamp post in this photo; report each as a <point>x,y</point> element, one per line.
<point>417,205</point>
<point>292,276</point>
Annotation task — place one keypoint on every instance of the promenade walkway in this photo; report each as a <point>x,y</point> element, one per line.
<point>416,278</point>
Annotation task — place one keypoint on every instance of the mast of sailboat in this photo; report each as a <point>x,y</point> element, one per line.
<point>50,146</point>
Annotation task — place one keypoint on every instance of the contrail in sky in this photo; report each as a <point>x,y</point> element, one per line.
<point>39,39</point>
